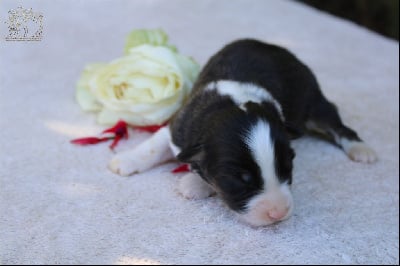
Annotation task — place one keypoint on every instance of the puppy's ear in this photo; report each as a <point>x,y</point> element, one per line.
<point>191,154</point>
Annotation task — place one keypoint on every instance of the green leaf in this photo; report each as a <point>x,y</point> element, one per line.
<point>156,37</point>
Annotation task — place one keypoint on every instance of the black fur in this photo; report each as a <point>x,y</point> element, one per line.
<point>210,128</point>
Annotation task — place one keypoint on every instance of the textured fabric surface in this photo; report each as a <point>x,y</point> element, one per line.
<point>60,204</point>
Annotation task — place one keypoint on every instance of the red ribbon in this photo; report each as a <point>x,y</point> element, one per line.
<point>181,169</point>
<point>89,140</point>
<point>151,129</point>
<point>120,131</point>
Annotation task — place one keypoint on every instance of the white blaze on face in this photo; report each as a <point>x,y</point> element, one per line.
<point>275,202</point>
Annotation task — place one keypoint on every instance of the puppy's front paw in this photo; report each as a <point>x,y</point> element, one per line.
<point>191,186</point>
<point>360,152</point>
<point>123,166</point>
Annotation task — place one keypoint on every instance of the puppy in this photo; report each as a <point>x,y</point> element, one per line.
<point>234,131</point>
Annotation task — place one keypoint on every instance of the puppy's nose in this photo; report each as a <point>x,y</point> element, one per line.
<point>277,214</point>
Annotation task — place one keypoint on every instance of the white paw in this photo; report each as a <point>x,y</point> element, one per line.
<point>191,186</point>
<point>123,166</point>
<point>148,154</point>
<point>360,152</point>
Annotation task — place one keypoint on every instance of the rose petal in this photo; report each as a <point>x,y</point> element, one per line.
<point>84,96</point>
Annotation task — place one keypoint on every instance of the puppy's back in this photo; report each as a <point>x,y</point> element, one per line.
<point>263,64</point>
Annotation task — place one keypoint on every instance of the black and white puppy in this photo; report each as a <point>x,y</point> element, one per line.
<point>249,100</point>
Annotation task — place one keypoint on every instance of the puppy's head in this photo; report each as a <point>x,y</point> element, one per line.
<point>247,159</point>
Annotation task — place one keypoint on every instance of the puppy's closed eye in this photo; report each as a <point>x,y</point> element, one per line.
<point>246,178</point>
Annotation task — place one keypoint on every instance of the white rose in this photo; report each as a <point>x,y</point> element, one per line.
<point>144,87</point>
